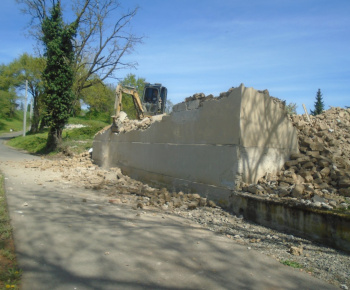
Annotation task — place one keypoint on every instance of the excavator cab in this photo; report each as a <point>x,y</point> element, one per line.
<point>154,99</point>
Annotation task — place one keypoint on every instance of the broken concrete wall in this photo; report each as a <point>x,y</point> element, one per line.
<point>208,147</point>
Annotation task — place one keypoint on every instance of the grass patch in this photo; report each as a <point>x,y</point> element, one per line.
<point>15,123</point>
<point>292,264</point>
<point>73,140</point>
<point>32,143</point>
<point>10,274</point>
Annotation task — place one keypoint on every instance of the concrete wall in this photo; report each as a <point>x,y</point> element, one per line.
<point>318,225</point>
<point>206,147</point>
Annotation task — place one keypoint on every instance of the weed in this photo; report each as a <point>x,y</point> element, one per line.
<point>291,264</point>
<point>7,254</point>
<point>10,274</point>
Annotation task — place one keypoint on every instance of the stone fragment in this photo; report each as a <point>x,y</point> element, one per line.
<point>298,190</point>
<point>344,182</point>
<point>283,192</point>
<point>317,198</point>
<point>211,203</point>
<point>316,147</point>
<point>192,205</point>
<point>296,251</point>
<point>345,191</point>
<point>295,156</point>
<point>308,165</point>
<point>291,163</point>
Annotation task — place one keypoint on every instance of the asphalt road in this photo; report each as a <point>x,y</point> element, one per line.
<point>71,238</point>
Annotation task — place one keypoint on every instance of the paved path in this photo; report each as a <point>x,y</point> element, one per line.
<point>70,238</point>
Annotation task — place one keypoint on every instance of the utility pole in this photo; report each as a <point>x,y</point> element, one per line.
<point>25,111</point>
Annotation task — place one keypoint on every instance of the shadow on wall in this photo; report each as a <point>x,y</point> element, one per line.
<point>267,137</point>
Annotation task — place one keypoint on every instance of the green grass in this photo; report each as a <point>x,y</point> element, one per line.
<point>15,123</point>
<point>31,143</point>
<point>73,140</point>
<point>10,274</point>
<point>292,264</point>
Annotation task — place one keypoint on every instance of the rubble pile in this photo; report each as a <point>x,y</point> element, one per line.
<point>320,174</point>
<point>79,169</point>
<point>125,124</point>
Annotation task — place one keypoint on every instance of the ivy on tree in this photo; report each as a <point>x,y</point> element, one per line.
<point>58,73</point>
<point>319,105</point>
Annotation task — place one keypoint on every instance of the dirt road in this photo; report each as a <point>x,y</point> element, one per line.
<point>69,237</point>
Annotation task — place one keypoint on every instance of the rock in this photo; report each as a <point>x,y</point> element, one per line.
<point>317,198</point>
<point>192,205</point>
<point>177,202</point>
<point>211,203</point>
<point>325,172</point>
<point>344,182</point>
<point>326,206</point>
<point>295,156</point>
<point>296,251</point>
<point>298,190</point>
<point>283,192</point>
<point>308,178</point>
<point>202,201</point>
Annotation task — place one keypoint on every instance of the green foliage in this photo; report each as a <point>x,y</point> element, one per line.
<point>77,140</point>
<point>82,133</point>
<point>127,102</point>
<point>10,274</point>
<point>8,95</point>
<point>291,109</point>
<point>100,99</point>
<point>32,143</point>
<point>319,105</point>
<point>138,83</point>
<point>291,264</point>
<point>15,123</point>
<point>58,73</point>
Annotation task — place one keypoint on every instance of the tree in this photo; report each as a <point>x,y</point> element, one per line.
<point>58,74</point>
<point>319,105</point>
<point>131,81</point>
<point>8,95</point>
<point>291,109</point>
<point>100,99</point>
<point>102,41</point>
<point>169,106</point>
<point>30,68</point>
<point>127,102</point>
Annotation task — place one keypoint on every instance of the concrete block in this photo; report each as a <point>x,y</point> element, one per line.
<point>192,105</point>
<point>179,107</point>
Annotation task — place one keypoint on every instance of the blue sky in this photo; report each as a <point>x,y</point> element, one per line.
<point>292,48</point>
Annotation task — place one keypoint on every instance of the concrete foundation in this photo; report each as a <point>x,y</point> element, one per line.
<point>206,147</point>
<point>319,225</point>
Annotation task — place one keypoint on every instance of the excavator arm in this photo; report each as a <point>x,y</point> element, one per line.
<point>118,104</point>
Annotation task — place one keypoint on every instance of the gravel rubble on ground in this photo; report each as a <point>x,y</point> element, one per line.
<point>320,261</point>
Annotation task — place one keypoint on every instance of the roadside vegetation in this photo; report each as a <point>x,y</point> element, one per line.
<point>74,140</point>
<point>14,122</point>
<point>10,274</point>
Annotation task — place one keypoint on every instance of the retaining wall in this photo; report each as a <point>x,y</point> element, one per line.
<point>206,147</point>
<point>316,224</point>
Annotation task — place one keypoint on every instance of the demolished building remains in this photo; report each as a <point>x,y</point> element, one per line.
<point>206,145</point>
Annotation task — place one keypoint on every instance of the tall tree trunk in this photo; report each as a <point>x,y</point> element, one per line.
<point>54,139</point>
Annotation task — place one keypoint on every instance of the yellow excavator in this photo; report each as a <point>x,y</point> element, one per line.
<point>153,101</point>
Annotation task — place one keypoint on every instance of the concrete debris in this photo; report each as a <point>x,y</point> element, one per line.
<point>320,172</point>
<point>80,169</point>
